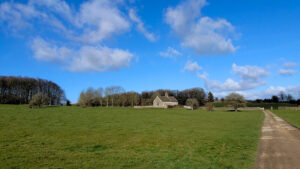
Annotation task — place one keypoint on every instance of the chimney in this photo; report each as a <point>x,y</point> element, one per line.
<point>166,94</point>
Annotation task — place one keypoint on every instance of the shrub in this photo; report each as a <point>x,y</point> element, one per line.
<point>209,106</point>
<point>68,103</point>
<point>235,100</point>
<point>219,104</point>
<point>193,103</point>
<point>38,100</point>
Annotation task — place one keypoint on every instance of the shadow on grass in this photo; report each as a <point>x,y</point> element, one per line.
<point>234,111</point>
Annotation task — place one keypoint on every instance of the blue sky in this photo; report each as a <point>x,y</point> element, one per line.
<point>250,47</point>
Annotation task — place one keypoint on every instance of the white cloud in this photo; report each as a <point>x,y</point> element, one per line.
<point>94,22</point>
<point>293,90</point>
<point>201,33</point>
<point>86,59</point>
<point>140,26</point>
<point>287,69</point>
<point>290,65</point>
<point>17,15</point>
<point>228,85</point>
<point>170,53</point>
<point>99,19</point>
<point>57,6</point>
<point>100,59</point>
<point>287,72</point>
<point>192,66</point>
<point>251,73</point>
<point>45,51</point>
<point>250,78</point>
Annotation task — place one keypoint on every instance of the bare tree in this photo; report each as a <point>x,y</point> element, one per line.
<point>282,96</point>
<point>99,95</point>
<point>124,99</point>
<point>236,100</point>
<point>82,99</point>
<point>113,92</point>
<point>107,93</point>
<point>289,97</point>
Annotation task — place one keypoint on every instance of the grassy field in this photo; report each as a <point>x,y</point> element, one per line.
<point>74,137</point>
<point>291,116</point>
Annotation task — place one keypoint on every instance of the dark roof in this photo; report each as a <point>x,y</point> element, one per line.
<point>168,99</point>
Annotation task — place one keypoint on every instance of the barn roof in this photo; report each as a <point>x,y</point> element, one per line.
<point>168,99</point>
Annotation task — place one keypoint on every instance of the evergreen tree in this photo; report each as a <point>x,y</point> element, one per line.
<point>210,97</point>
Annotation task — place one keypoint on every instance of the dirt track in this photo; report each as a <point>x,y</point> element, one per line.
<point>279,146</point>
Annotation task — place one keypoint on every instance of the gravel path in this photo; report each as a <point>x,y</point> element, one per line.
<point>279,146</point>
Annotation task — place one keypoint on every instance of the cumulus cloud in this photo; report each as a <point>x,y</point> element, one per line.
<point>287,72</point>
<point>192,66</point>
<point>95,21</point>
<point>86,59</point>
<point>251,73</point>
<point>88,27</point>
<point>45,51</point>
<point>201,33</point>
<point>170,53</point>
<point>99,59</point>
<point>140,26</point>
<point>250,77</point>
<point>99,19</point>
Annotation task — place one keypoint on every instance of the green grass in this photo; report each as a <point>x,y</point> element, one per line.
<point>291,116</point>
<point>74,137</point>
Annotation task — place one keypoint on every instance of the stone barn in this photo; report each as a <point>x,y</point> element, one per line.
<point>165,101</point>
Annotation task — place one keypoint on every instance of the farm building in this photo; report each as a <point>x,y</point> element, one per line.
<point>165,101</point>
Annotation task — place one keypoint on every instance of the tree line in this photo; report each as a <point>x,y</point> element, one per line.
<point>282,97</point>
<point>117,96</point>
<point>21,90</point>
<point>194,97</point>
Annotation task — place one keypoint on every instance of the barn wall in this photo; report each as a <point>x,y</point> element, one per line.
<point>158,103</point>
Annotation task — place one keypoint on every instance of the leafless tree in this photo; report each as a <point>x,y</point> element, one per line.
<point>236,100</point>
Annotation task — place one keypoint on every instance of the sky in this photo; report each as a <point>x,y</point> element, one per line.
<point>250,47</point>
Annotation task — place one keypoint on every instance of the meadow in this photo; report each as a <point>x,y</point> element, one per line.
<point>75,137</point>
<point>291,116</point>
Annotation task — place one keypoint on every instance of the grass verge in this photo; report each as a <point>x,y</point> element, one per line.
<point>291,116</point>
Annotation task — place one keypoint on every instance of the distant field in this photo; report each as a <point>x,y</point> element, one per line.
<point>291,116</point>
<point>74,137</point>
